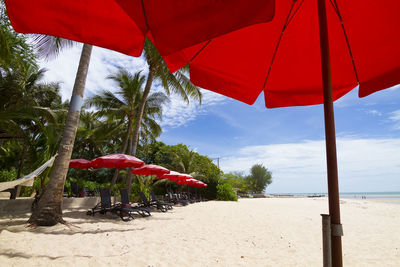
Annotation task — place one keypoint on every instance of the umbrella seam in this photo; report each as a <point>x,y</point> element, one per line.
<point>336,8</point>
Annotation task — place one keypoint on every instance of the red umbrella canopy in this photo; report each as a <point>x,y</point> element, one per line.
<point>119,161</point>
<point>175,176</point>
<point>80,164</point>
<point>282,57</point>
<point>150,169</point>
<point>122,25</point>
<point>190,182</point>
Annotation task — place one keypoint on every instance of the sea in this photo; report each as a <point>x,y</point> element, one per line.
<point>389,197</point>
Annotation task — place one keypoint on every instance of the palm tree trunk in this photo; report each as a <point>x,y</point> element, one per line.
<point>46,209</point>
<point>139,114</point>
<point>125,146</point>
<point>130,175</point>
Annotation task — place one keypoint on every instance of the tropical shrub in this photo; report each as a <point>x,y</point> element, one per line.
<point>225,192</point>
<point>8,175</point>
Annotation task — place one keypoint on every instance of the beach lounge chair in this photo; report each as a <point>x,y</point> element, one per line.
<point>147,203</point>
<point>143,211</point>
<point>74,189</point>
<point>175,199</point>
<point>105,206</point>
<point>186,197</point>
<point>154,199</point>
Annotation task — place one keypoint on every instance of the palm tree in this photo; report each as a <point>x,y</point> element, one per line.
<point>123,107</point>
<point>14,48</point>
<point>46,209</point>
<point>159,72</point>
<point>26,111</point>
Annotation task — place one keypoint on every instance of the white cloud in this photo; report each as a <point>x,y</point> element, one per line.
<point>178,112</point>
<point>105,62</point>
<point>395,116</point>
<point>364,164</point>
<point>374,112</point>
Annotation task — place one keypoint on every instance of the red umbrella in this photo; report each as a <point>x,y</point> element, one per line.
<point>175,176</point>
<point>122,25</point>
<point>282,57</point>
<point>201,184</point>
<point>182,182</point>
<point>286,57</point>
<point>80,164</point>
<point>150,169</point>
<point>119,161</point>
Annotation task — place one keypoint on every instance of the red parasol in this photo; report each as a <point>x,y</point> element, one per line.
<point>175,176</point>
<point>119,161</point>
<point>150,169</point>
<point>122,25</point>
<point>286,57</point>
<point>80,164</point>
<point>282,57</point>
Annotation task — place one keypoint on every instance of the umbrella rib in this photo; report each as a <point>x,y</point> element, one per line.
<point>336,8</point>
<point>294,13</point>
<point>198,52</point>
<point>145,17</point>
<point>288,19</point>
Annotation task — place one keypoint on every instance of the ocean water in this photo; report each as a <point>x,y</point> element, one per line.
<point>371,195</point>
<point>351,195</point>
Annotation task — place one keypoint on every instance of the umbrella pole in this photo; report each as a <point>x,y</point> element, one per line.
<point>330,139</point>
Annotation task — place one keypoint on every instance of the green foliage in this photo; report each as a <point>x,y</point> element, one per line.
<point>238,181</point>
<point>143,183</point>
<point>14,48</point>
<point>259,178</point>
<point>180,158</point>
<point>225,192</point>
<point>8,175</point>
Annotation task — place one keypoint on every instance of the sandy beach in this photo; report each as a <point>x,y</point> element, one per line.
<point>250,232</point>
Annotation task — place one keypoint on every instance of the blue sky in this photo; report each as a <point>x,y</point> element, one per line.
<point>288,141</point>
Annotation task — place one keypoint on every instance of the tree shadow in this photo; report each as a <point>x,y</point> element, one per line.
<point>12,254</point>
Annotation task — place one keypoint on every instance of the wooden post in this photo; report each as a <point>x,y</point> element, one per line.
<point>330,138</point>
<point>326,240</point>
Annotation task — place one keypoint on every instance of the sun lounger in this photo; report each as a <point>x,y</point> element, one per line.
<point>154,199</point>
<point>175,199</point>
<point>147,203</point>
<point>143,211</point>
<point>105,206</point>
<point>74,189</point>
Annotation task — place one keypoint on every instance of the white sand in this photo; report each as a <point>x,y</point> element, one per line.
<point>251,232</point>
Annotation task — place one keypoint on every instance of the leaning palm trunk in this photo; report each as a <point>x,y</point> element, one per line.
<point>139,114</point>
<point>138,120</point>
<point>46,209</point>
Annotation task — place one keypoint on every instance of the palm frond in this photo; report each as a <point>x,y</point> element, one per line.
<point>49,47</point>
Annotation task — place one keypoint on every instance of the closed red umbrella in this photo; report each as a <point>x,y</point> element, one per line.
<point>80,164</point>
<point>122,25</point>
<point>150,169</point>
<point>119,161</point>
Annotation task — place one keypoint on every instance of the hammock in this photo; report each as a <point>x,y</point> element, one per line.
<point>27,180</point>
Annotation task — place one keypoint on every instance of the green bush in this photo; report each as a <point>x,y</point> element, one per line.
<point>225,192</point>
<point>8,175</point>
